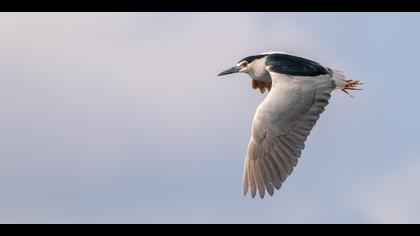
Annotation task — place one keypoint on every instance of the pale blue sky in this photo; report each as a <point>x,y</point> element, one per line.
<point>120,118</point>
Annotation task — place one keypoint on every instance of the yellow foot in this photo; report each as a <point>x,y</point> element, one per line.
<point>351,85</point>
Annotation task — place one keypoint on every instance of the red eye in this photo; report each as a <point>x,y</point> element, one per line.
<point>244,64</point>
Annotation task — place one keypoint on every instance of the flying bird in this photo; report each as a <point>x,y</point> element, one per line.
<point>298,92</point>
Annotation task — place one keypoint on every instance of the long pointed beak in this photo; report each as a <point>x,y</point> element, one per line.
<point>232,70</point>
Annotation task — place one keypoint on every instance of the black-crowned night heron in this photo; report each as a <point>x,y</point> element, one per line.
<point>299,90</point>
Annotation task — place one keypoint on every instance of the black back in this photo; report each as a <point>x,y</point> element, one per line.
<point>294,65</point>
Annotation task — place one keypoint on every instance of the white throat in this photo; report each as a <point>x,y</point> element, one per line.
<point>257,70</point>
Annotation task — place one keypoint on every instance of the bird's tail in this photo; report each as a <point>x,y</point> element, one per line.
<point>345,84</point>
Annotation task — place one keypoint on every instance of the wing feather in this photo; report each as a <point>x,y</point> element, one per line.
<point>274,173</point>
<point>280,128</point>
<point>253,184</point>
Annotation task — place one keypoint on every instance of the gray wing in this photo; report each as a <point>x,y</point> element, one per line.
<point>281,125</point>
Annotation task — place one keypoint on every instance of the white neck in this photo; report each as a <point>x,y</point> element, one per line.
<point>257,71</point>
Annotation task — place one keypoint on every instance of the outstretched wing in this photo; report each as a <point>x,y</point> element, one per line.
<point>281,125</point>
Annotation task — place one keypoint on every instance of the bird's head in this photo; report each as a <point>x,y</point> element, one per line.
<point>255,67</point>
<point>246,65</point>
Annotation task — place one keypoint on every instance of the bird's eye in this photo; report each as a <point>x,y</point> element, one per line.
<point>244,64</point>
